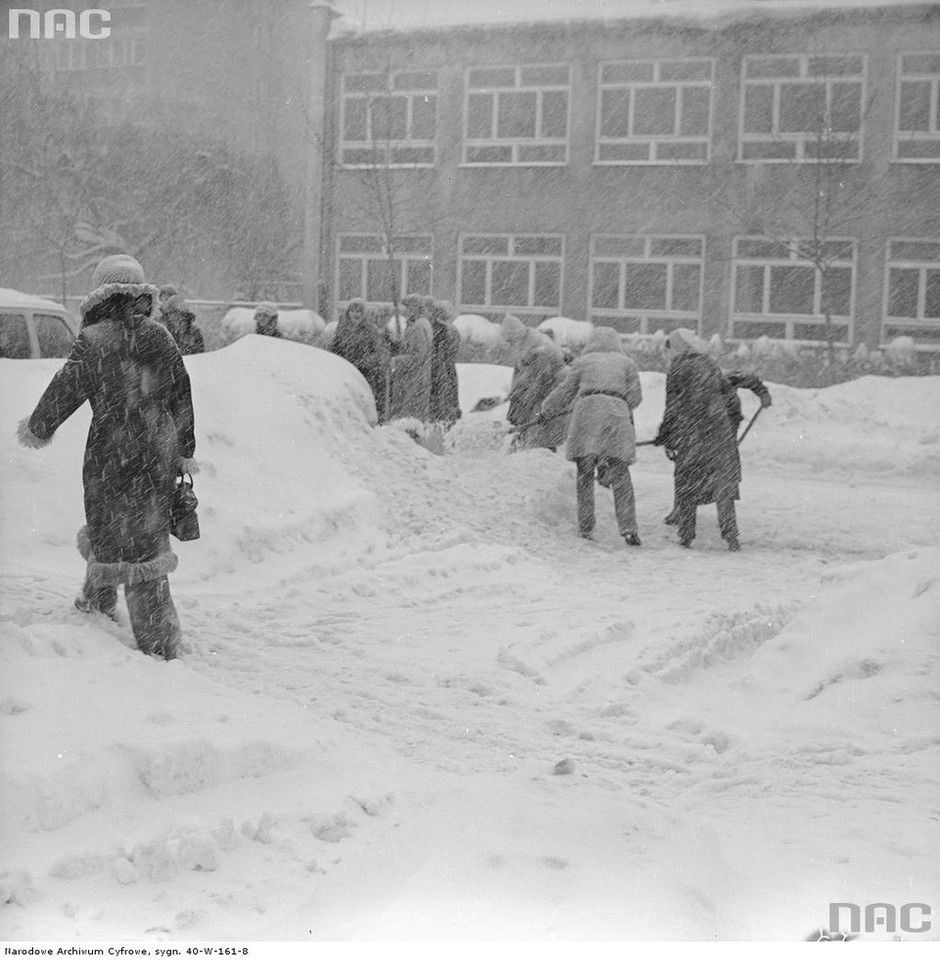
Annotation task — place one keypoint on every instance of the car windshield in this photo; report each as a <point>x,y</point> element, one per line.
<point>55,338</point>
<point>14,337</point>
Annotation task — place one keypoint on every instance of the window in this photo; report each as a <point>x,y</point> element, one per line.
<point>780,294</point>
<point>514,274</point>
<point>654,111</point>
<point>364,268</point>
<point>644,284</point>
<point>802,108</point>
<point>14,337</point>
<point>389,118</point>
<point>913,291</point>
<point>917,129</point>
<point>517,115</point>
<point>55,338</point>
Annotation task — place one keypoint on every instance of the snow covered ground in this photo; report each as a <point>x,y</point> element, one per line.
<point>414,705</point>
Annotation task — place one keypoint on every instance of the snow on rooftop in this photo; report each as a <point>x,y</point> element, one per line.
<point>360,16</point>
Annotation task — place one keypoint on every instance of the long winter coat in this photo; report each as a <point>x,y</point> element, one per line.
<point>411,372</point>
<point>132,374</point>
<point>604,385</point>
<point>445,401</point>
<point>697,426</point>
<point>538,370</point>
<point>362,344</point>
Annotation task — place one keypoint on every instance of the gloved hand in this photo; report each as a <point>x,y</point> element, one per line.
<point>765,401</point>
<point>671,453</point>
<point>188,465</point>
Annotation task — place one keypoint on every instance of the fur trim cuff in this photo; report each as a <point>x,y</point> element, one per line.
<point>137,289</point>
<point>27,438</point>
<point>111,574</point>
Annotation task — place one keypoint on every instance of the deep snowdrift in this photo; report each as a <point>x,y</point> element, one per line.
<point>388,655</point>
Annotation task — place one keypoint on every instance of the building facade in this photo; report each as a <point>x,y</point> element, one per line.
<point>758,174</point>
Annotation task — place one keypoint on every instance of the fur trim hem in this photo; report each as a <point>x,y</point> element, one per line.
<point>27,438</point>
<point>111,574</point>
<point>102,293</point>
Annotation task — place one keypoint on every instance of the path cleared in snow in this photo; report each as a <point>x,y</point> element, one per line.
<point>415,705</point>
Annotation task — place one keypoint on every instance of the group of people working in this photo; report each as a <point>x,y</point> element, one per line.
<point>589,407</point>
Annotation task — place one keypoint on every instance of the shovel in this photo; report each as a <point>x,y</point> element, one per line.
<point>748,427</point>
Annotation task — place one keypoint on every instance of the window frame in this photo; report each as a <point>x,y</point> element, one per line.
<point>790,320</point>
<point>653,140</point>
<point>682,318</point>
<point>799,138</point>
<point>495,309</point>
<point>468,143</point>
<point>933,134</point>
<point>366,256</point>
<point>385,149</point>
<point>922,265</point>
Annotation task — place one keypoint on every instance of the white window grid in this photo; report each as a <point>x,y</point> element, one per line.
<point>517,146</point>
<point>512,254</point>
<point>923,256</point>
<point>792,322</point>
<point>658,146</point>
<point>849,143</point>
<point>420,151</point>
<point>648,320</point>
<point>362,248</point>
<point>918,146</point>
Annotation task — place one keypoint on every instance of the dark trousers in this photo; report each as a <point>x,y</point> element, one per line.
<point>624,502</point>
<point>727,519</point>
<point>153,616</point>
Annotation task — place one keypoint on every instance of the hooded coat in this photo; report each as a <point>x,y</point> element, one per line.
<point>445,398</point>
<point>411,372</point>
<point>132,374</point>
<point>697,426</point>
<point>604,386</point>
<point>539,366</point>
<point>360,342</point>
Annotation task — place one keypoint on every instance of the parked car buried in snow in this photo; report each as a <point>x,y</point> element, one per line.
<point>32,327</point>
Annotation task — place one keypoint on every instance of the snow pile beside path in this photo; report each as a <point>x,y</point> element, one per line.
<point>121,772</point>
<point>476,329</point>
<point>866,428</point>
<point>275,424</point>
<point>301,325</point>
<point>566,332</point>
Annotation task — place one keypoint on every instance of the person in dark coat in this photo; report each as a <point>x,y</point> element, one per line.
<point>445,400</point>
<point>604,385</point>
<point>180,320</point>
<point>360,342</point>
<point>266,320</point>
<point>411,366</point>
<point>126,365</point>
<point>699,436</point>
<point>539,365</point>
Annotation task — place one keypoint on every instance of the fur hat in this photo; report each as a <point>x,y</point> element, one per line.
<point>119,273</point>
<point>684,340</point>
<point>266,309</point>
<point>512,328</point>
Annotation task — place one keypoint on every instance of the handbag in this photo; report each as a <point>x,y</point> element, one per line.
<point>184,523</point>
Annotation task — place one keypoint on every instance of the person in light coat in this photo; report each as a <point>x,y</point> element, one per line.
<point>411,366</point>
<point>538,368</point>
<point>125,364</point>
<point>604,386</point>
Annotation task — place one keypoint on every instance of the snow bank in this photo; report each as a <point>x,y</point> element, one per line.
<point>567,333</point>
<point>476,329</point>
<point>294,324</point>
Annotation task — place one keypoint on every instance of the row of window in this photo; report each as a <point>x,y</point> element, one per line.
<point>648,283</point>
<point>793,108</point>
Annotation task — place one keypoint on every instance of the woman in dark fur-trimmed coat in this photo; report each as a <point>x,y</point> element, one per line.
<point>126,365</point>
<point>445,395</point>
<point>360,342</point>
<point>698,434</point>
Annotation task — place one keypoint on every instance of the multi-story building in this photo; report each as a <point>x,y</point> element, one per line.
<point>751,173</point>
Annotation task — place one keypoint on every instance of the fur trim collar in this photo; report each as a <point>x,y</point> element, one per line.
<point>100,294</point>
